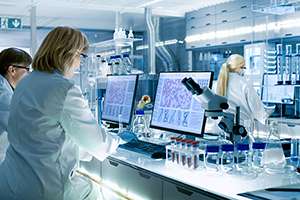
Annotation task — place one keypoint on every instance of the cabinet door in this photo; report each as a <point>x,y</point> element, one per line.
<point>144,185</point>
<point>176,192</point>
<point>115,173</point>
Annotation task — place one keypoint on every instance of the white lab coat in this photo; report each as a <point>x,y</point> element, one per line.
<point>6,93</point>
<point>241,93</point>
<point>49,122</point>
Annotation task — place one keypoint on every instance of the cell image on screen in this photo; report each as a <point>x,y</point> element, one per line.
<point>175,109</point>
<point>119,98</point>
<point>273,93</point>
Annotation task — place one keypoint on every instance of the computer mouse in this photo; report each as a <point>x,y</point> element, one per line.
<point>158,155</point>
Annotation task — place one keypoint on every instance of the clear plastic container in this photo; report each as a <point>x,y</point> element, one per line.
<point>242,157</point>
<point>211,161</point>
<point>257,156</point>
<point>227,157</point>
<point>139,123</point>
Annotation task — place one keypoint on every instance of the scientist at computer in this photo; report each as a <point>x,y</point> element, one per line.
<point>239,92</point>
<point>48,125</point>
<point>14,65</point>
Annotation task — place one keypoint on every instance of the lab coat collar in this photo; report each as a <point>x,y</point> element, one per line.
<point>4,83</point>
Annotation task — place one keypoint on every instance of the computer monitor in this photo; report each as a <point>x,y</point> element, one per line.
<point>273,93</point>
<point>175,109</point>
<point>119,98</point>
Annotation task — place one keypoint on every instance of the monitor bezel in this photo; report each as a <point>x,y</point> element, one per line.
<point>204,118</point>
<point>263,88</point>
<point>133,101</point>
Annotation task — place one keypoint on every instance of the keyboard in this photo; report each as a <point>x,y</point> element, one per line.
<point>149,149</point>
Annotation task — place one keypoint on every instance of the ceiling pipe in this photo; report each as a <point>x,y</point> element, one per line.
<point>151,41</point>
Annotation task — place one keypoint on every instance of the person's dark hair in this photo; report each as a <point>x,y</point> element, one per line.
<point>13,56</point>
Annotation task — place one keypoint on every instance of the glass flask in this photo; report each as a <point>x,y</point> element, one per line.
<point>273,157</point>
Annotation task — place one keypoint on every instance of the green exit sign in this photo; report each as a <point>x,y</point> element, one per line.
<point>14,23</point>
<point>10,23</point>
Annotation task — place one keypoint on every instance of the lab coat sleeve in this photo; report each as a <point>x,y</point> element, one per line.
<point>80,124</point>
<point>255,105</point>
<point>5,99</point>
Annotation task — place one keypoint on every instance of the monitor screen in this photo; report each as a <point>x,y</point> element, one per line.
<point>175,109</point>
<point>119,98</point>
<point>273,93</point>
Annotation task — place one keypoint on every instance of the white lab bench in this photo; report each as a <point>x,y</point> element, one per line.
<point>147,178</point>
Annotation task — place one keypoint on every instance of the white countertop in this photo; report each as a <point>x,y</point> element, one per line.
<point>220,184</point>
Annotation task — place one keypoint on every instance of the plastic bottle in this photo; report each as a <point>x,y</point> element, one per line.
<point>242,157</point>
<point>130,34</point>
<point>127,64</point>
<point>139,123</point>
<point>211,160</point>
<point>114,69</point>
<point>257,155</point>
<point>115,36</point>
<point>119,65</point>
<point>227,158</point>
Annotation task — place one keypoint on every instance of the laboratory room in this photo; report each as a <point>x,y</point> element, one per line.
<point>149,99</point>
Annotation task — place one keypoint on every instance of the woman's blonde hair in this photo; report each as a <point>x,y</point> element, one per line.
<point>233,64</point>
<point>58,50</point>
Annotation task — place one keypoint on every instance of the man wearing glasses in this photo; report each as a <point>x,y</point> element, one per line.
<point>14,65</point>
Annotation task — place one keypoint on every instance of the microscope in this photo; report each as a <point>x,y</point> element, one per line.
<point>214,106</point>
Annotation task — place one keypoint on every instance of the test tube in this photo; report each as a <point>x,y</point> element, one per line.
<point>279,64</point>
<point>288,65</point>
<point>298,63</point>
<point>195,154</point>
<point>183,152</point>
<point>177,150</point>
<point>189,156</point>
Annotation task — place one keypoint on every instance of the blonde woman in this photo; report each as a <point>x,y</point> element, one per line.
<point>49,122</point>
<point>233,85</point>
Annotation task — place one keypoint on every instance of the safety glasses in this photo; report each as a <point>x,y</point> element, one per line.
<point>22,67</point>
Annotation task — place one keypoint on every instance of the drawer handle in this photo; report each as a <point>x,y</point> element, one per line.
<point>207,14</point>
<point>288,34</point>
<point>184,191</point>
<point>224,42</point>
<point>224,11</point>
<point>291,125</point>
<point>146,176</point>
<point>243,40</point>
<point>224,21</point>
<point>243,6</point>
<point>193,27</point>
<point>207,45</point>
<point>244,17</point>
<point>113,163</point>
<point>192,18</point>
<point>208,24</point>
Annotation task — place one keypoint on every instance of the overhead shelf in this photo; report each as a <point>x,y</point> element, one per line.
<point>114,44</point>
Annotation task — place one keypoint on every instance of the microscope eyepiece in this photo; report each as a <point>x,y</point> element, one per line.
<point>192,86</point>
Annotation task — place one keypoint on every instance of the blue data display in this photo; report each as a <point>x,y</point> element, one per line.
<point>175,108</point>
